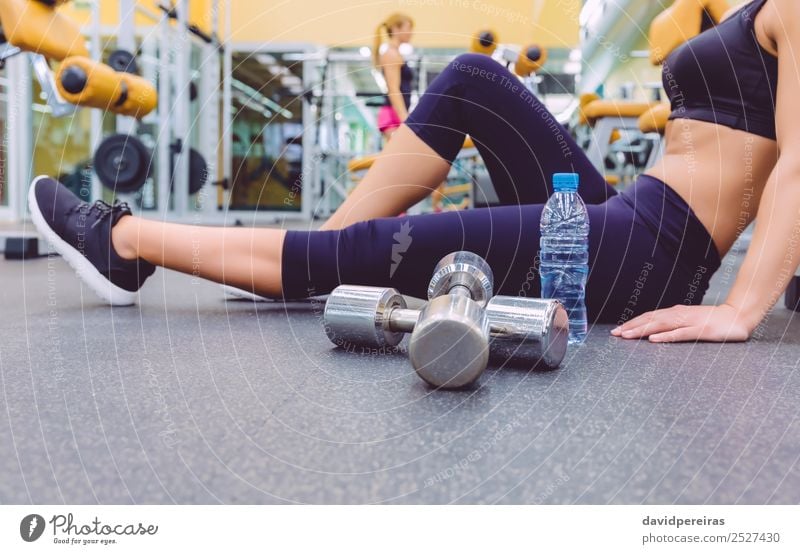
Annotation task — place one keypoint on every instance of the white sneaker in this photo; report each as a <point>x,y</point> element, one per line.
<point>81,233</point>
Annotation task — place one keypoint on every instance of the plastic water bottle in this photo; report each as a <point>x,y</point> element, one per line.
<point>564,251</point>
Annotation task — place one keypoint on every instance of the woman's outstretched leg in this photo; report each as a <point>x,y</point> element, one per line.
<point>114,252</point>
<point>245,258</point>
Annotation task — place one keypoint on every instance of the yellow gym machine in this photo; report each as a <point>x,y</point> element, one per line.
<point>72,75</point>
<point>524,61</point>
<point>35,34</point>
<point>37,28</point>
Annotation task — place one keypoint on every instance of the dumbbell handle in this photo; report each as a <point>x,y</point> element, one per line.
<point>460,290</point>
<point>402,320</point>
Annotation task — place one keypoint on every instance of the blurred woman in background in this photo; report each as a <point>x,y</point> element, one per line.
<point>398,75</point>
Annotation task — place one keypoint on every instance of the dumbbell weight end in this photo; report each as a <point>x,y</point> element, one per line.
<point>450,344</point>
<point>367,316</point>
<point>528,331</point>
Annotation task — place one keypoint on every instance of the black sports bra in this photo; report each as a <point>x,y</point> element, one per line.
<point>725,76</point>
<point>407,76</point>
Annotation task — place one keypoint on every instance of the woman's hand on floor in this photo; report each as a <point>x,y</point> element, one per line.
<point>687,323</point>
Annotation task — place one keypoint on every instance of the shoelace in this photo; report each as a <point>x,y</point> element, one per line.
<point>103,209</point>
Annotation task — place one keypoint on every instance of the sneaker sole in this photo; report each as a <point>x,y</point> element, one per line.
<point>101,286</point>
<point>243,294</point>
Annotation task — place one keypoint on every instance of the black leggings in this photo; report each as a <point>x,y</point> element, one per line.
<point>647,249</point>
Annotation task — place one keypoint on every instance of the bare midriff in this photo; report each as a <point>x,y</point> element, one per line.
<point>720,172</point>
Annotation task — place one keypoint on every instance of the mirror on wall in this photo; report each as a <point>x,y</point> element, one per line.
<point>267,132</point>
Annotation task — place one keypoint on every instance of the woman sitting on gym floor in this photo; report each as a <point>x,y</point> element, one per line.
<point>652,247</point>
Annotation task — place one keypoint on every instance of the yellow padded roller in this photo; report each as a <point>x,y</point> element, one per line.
<point>484,42</point>
<point>36,27</point>
<point>92,84</point>
<point>464,188</point>
<point>360,164</point>
<point>365,162</point>
<point>679,23</point>
<point>584,100</point>
<point>588,98</point>
<point>530,60</point>
<point>142,97</point>
<point>655,119</point>
<point>608,108</point>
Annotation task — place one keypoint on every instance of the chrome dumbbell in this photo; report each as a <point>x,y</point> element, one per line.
<point>527,331</point>
<point>454,334</point>
<point>531,331</point>
<point>460,326</point>
<point>449,346</point>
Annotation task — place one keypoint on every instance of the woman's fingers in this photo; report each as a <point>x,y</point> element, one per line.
<point>651,322</point>
<point>639,319</point>
<point>678,335</point>
<point>643,319</point>
<point>633,323</point>
<point>657,325</point>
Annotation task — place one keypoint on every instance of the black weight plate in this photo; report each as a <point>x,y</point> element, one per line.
<point>122,163</point>
<point>123,61</point>
<point>198,171</point>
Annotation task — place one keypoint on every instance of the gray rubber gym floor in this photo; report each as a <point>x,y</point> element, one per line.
<point>189,398</point>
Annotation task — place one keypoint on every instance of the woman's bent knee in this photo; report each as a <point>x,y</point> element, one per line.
<point>474,65</point>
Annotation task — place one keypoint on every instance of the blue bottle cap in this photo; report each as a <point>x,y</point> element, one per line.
<point>565,182</point>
